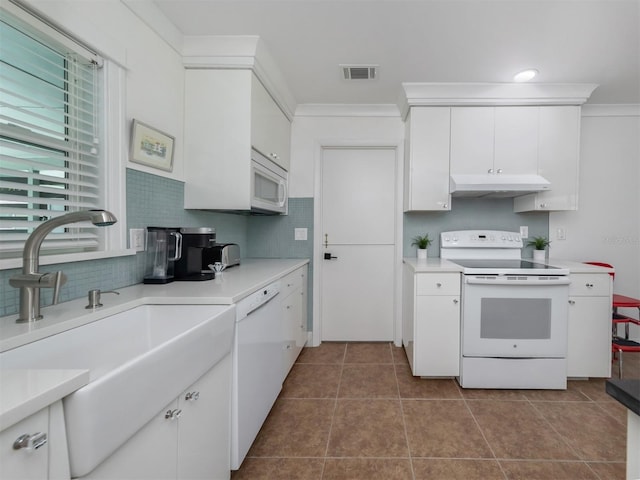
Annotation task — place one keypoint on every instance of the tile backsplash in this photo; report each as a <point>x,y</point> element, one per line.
<point>469,214</point>
<point>157,201</point>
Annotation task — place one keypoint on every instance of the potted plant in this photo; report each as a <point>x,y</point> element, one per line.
<point>539,245</point>
<point>422,242</point>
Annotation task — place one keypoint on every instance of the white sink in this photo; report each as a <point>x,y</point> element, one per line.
<point>139,361</point>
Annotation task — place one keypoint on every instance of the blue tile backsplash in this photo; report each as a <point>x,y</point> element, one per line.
<point>157,201</point>
<point>469,214</point>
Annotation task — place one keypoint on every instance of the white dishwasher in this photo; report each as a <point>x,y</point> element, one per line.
<point>257,367</point>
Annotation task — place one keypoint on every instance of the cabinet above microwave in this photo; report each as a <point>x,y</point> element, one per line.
<point>228,115</point>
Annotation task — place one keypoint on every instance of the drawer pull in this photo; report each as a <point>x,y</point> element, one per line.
<point>438,285</point>
<point>572,302</point>
<point>589,285</point>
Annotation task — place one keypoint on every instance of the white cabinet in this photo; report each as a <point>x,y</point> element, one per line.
<point>426,167</point>
<point>431,323</point>
<point>294,316</point>
<point>189,438</point>
<point>270,128</point>
<point>227,112</point>
<point>494,140</point>
<point>589,334</point>
<point>558,158</point>
<point>42,452</point>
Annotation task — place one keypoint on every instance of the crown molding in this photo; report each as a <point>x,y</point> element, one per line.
<point>460,94</point>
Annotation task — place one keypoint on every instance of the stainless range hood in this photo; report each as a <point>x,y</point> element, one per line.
<point>496,185</point>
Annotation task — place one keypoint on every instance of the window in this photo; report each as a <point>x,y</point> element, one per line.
<point>50,145</point>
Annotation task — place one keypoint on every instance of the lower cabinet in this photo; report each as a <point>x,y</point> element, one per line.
<point>589,333</point>
<point>36,447</point>
<point>431,323</point>
<point>294,316</point>
<point>188,439</point>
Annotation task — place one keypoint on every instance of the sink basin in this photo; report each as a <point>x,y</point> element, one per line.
<point>139,361</point>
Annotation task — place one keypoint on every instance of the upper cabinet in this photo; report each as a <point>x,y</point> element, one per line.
<point>558,159</point>
<point>227,112</point>
<point>270,128</point>
<point>491,129</point>
<point>494,140</point>
<point>426,167</point>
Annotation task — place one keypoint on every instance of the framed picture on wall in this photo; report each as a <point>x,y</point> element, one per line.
<point>151,147</point>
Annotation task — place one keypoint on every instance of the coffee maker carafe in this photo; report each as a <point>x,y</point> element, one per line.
<point>192,266</point>
<point>164,247</point>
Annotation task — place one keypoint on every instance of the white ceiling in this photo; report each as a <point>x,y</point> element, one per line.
<point>568,41</point>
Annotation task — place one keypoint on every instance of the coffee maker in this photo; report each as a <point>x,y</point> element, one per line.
<point>192,265</point>
<point>164,248</point>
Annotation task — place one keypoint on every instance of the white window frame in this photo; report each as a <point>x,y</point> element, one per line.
<point>113,150</point>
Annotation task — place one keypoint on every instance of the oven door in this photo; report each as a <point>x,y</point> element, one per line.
<point>515,316</point>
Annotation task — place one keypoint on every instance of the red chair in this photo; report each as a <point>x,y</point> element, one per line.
<point>620,345</point>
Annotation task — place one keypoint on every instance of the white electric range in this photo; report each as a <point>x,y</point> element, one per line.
<point>514,312</point>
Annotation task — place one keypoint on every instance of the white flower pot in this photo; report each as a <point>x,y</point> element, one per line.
<point>422,254</point>
<point>539,256</point>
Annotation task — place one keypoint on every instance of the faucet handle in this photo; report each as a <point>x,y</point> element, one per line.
<point>94,297</point>
<point>59,280</point>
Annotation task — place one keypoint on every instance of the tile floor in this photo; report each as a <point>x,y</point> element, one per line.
<point>354,411</point>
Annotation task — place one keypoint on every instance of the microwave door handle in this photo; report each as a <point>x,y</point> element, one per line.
<point>282,193</point>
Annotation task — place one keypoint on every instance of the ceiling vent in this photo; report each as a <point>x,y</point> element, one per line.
<point>359,72</point>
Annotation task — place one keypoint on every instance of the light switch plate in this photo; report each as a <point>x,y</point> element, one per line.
<point>524,231</point>
<point>300,233</point>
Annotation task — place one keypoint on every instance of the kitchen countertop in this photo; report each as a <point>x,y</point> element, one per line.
<point>435,264</point>
<point>626,391</point>
<point>233,285</point>
<point>25,392</point>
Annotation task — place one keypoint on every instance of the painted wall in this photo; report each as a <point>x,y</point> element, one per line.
<point>606,227</point>
<point>154,71</point>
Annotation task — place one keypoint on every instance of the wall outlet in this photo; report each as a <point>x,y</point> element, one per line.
<point>524,231</point>
<point>300,233</point>
<point>561,234</point>
<point>136,239</point>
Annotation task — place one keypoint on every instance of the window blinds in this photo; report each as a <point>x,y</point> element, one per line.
<point>49,139</point>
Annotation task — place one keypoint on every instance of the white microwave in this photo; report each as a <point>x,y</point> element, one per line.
<point>269,185</point>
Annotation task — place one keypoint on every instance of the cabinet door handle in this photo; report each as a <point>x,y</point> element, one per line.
<point>192,396</point>
<point>572,302</point>
<point>455,301</point>
<point>30,442</point>
<point>490,170</point>
<point>438,285</point>
<point>589,285</point>
<point>499,170</point>
<point>173,414</point>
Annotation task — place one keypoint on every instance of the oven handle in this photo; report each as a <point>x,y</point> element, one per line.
<point>515,281</point>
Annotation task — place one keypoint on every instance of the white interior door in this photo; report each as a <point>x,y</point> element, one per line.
<point>358,234</point>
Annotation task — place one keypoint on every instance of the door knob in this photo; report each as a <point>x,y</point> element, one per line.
<point>328,256</point>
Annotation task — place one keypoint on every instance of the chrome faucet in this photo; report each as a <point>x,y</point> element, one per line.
<point>30,281</point>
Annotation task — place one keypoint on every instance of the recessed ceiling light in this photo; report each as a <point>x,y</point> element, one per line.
<point>525,75</point>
